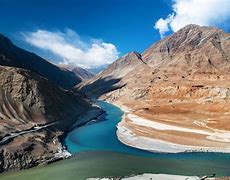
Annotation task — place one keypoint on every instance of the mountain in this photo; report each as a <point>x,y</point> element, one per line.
<point>83,73</point>
<point>180,84</point>
<point>97,69</point>
<point>11,55</point>
<point>34,113</point>
<point>35,109</point>
<point>110,78</point>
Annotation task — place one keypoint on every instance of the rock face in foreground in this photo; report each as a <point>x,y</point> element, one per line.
<point>11,55</point>
<point>178,90</point>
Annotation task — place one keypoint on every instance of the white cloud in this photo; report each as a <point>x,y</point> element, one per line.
<point>201,12</point>
<point>74,52</point>
<point>162,25</point>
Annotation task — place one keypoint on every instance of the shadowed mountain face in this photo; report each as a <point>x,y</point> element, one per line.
<point>182,80</point>
<point>11,55</point>
<point>101,86</point>
<point>110,78</point>
<point>83,73</point>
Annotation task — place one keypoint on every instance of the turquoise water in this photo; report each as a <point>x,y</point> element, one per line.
<point>107,164</point>
<point>100,154</point>
<point>101,136</point>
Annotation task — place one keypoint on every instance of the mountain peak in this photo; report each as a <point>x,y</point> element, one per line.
<point>195,27</point>
<point>83,73</point>
<point>131,56</point>
<point>193,31</point>
<point>186,40</point>
<point>191,26</point>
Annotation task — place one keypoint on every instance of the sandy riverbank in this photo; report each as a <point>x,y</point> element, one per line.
<point>127,136</point>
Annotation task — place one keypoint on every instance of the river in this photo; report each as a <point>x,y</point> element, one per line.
<point>99,153</point>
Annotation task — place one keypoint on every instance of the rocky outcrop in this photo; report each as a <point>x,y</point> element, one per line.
<point>182,80</point>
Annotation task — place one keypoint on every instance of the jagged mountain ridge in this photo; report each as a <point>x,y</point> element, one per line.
<point>11,55</point>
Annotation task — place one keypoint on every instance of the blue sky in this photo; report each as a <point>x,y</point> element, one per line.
<point>95,30</point>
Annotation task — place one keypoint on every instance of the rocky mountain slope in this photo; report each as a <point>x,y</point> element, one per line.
<point>83,73</point>
<point>11,55</point>
<point>33,114</point>
<point>176,93</point>
<point>112,77</point>
<point>35,111</point>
